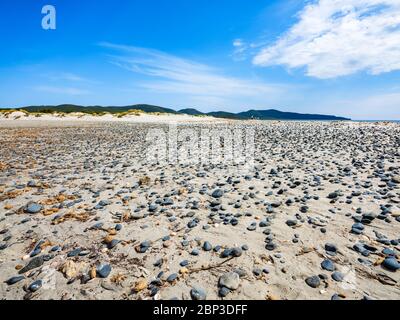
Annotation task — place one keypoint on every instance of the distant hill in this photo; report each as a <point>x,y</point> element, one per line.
<point>279,115</point>
<point>191,111</point>
<point>269,115</point>
<point>225,115</point>
<point>250,114</point>
<point>68,108</point>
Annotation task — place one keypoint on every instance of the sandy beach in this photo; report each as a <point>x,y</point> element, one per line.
<point>83,215</point>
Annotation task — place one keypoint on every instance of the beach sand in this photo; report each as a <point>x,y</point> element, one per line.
<point>68,184</point>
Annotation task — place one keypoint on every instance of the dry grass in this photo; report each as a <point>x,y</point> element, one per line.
<point>57,199</point>
<point>11,195</point>
<point>144,181</point>
<point>132,112</point>
<point>3,166</point>
<point>77,216</point>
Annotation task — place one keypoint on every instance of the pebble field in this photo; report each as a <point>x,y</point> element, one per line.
<point>83,215</point>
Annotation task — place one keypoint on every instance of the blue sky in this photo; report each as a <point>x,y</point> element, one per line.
<point>318,56</point>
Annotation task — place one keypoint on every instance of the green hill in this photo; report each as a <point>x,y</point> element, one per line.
<point>279,115</point>
<point>250,114</point>
<point>191,111</point>
<point>68,108</point>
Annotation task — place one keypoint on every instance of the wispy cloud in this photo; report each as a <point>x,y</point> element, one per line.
<point>240,51</point>
<point>62,90</point>
<point>170,74</point>
<point>69,77</point>
<point>340,37</point>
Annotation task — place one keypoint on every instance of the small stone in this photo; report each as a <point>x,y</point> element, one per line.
<point>313,282</point>
<point>35,286</point>
<point>113,243</point>
<point>291,223</point>
<point>14,280</point>
<point>36,262</point>
<point>145,245</point>
<point>198,293</point>
<point>226,253</point>
<point>184,263</point>
<point>104,203</point>
<point>35,252</point>
<point>33,208</point>
<point>333,195</point>
<point>331,249</point>
<point>97,226</point>
<point>137,215</point>
<point>252,227</point>
<point>218,193</point>
<point>257,272</point>
<point>328,265</point>
<point>74,252</point>
<point>172,277</point>
<point>241,272</point>
<point>270,246</point>
<point>236,252</point>
<point>229,280</point>
<point>338,276</point>
<point>103,270</point>
<point>207,246</point>
<point>217,248</point>
<point>391,264</point>
<point>153,207</point>
<point>55,248</point>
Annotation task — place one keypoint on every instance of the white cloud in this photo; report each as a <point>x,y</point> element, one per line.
<point>238,43</point>
<point>240,51</point>
<point>340,37</point>
<point>62,90</point>
<point>68,76</point>
<point>71,77</point>
<point>169,74</point>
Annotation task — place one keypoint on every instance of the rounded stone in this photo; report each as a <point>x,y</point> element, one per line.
<point>328,265</point>
<point>391,264</point>
<point>313,282</point>
<point>14,280</point>
<point>103,270</point>
<point>218,193</point>
<point>338,276</point>
<point>184,263</point>
<point>35,286</point>
<point>207,246</point>
<point>33,208</point>
<point>236,252</point>
<point>229,280</point>
<point>171,278</point>
<point>198,293</point>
